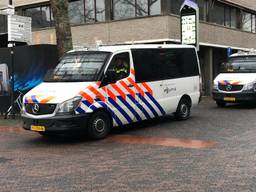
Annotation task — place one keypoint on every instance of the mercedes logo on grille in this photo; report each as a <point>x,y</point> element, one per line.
<point>229,87</point>
<point>35,108</point>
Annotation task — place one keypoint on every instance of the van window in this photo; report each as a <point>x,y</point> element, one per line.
<point>160,64</point>
<point>241,64</point>
<point>121,65</point>
<point>180,63</point>
<point>146,64</point>
<point>78,66</point>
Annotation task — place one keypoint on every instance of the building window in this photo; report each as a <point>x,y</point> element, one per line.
<point>123,9</point>
<point>254,23</point>
<point>175,6</point>
<point>90,11</point>
<point>80,12</point>
<point>234,18</point>
<point>246,22</point>
<point>86,11</point>
<point>216,14</point>
<point>227,16</point>
<point>154,7</point>
<point>41,16</point>
<point>100,10</point>
<point>202,9</point>
<point>142,8</point>
<point>76,12</point>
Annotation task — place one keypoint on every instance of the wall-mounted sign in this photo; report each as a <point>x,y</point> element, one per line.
<point>19,29</point>
<point>189,21</point>
<point>188,29</point>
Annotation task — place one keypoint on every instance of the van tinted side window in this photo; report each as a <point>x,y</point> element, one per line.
<point>146,65</point>
<point>160,64</point>
<point>180,63</point>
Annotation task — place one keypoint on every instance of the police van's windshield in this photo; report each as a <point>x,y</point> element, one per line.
<point>79,66</point>
<point>242,64</point>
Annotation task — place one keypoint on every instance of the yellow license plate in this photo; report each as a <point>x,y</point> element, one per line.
<point>229,99</point>
<point>37,128</point>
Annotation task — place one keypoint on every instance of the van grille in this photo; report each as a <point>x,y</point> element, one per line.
<point>43,109</point>
<point>230,88</point>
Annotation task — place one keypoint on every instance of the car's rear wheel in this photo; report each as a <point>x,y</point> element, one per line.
<point>99,125</point>
<point>183,109</point>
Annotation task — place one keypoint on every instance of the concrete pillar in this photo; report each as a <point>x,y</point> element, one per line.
<point>208,70</point>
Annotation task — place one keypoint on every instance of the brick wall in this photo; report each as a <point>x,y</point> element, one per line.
<point>159,27</point>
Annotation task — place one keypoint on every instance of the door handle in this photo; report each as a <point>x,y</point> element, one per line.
<point>130,85</point>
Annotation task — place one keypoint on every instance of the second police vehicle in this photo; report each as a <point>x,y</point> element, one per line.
<point>95,90</point>
<point>237,81</point>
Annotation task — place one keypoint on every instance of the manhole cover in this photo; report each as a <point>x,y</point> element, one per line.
<point>4,160</point>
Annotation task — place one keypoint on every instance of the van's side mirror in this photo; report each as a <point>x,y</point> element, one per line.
<point>110,77</point>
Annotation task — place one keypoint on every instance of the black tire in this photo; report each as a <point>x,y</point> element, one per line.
<point>221,103</point>
<point>183,110</point>
<point>99,125</point>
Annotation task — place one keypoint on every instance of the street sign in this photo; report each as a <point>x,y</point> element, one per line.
<point>229,51</point>
<point>189,21</point>
<point>19,29</point>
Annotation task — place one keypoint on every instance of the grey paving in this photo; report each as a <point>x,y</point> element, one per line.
<point>29,162</point>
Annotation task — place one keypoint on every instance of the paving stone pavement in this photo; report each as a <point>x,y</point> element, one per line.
<point>29,162</point>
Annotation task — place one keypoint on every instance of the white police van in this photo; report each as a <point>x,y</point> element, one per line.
<point>84,92</point>
<point>237,81</point>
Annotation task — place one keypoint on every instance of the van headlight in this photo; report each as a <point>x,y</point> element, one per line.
<point>70,105</point>
<point>23,108</point>
<point>215,86</point>
<point>250,87</point>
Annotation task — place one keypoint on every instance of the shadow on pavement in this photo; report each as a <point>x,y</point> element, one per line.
<point>242,106</point>
<point>143,125</point>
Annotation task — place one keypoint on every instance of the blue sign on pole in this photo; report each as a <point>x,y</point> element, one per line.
<point>229,51</point>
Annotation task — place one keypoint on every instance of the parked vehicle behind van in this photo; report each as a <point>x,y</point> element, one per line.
<point>237,81</point>
<point>95,90</point>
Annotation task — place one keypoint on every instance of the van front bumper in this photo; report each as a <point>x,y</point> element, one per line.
<point>238,97</point>
<point>57,123</point>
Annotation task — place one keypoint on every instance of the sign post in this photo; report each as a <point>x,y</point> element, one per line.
<point>189,22</point>
<point>19,29</point>
<point>11,45</point>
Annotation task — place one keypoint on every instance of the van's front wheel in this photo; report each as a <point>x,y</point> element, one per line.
<point>99,125</point>
<point>183,110</point>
